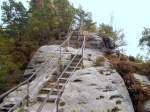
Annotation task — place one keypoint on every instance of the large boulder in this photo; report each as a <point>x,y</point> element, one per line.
<point>109,43</point>
<point>94,41</point>
<point>98,89</point>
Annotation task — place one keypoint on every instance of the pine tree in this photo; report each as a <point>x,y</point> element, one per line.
<point>14,17</point>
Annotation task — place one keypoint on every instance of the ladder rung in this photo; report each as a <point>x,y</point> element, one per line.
<point>74,67</point>
<point>67,72</point>
<point>63,79</point>
<point>49,89</point>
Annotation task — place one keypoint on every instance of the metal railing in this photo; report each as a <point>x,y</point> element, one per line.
<point>24,82</point>
<point>27,81</point>
<point>80,33</point>
<point>21,84</point>
<point>81,51</point>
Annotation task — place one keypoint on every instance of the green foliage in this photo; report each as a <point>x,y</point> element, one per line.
<point>141,68</point>
<point>138,59</point>
<point>107,31</point>
<point>89,25</point>
<point>7,66</point>
<point>64,12</point>
<point>48,19</point>
<point>131,58</point>
<point>145,39</point>
<point>14,17</point>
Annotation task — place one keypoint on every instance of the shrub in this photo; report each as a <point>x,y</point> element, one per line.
<point>123,67</point>
<point>137,93</point>
<point>99,60</point>
<point>131,58</point>
<point>141,68</point>
<point>13,61</point>
<point>123,58</point>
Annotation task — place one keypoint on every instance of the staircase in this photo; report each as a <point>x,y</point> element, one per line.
<point>56,88</point>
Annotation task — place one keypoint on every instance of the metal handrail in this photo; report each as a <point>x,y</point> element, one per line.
<point>42,105</point>
<point>57,82</point>
<point>21,84</point>
<point>24,82</point>
<point>68,38</point>
<point>62,89</point>
<point>27,82</point>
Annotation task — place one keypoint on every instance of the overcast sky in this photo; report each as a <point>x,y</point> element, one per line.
<point>131,15</point>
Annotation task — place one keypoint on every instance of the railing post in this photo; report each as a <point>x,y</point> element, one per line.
<point>83,47</point>
<point>82,56</point>
<point>57,102</point>
<point>60,61</point>
<point>28,96</point>
<point>68,43</point>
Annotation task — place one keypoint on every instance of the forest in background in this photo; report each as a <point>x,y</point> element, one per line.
<point>23,31</point>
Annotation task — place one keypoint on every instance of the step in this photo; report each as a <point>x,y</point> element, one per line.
<point>2,109</point>
<point>66,53</point>
<point>75,63</point>
<point>66,74</point>
<point>76,59</point>
<point>63,80</point>
<point>78,56</point>
<point>47,90</point>
<point>42,97</point>
<point>71,68</point>
<point>6,108</point>
<point>54,84</point>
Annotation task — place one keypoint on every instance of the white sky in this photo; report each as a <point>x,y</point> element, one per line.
<point>131,15</point>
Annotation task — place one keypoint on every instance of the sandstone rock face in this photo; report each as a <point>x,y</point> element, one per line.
<point>97,42</point>
<point>94,41</point>
<point>96,89</point>
<point>142,79</point>
<point>147,106</point>
<point>43,68</point>
<point>93,89</point>
<point>145,83</point>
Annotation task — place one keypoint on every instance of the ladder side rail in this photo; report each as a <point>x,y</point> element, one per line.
<point>42,105</point>
<point>19,85</point>
<point>62,89</point>
<point>28,91</point>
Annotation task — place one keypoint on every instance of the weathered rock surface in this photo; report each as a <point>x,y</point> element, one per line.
<point>96,89</point>
<point>93,89</point>
<point>147,106</point>
<point>95,41</point>
<point>43,65</point>
<point>145,83</point>
<point>142,79</point>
